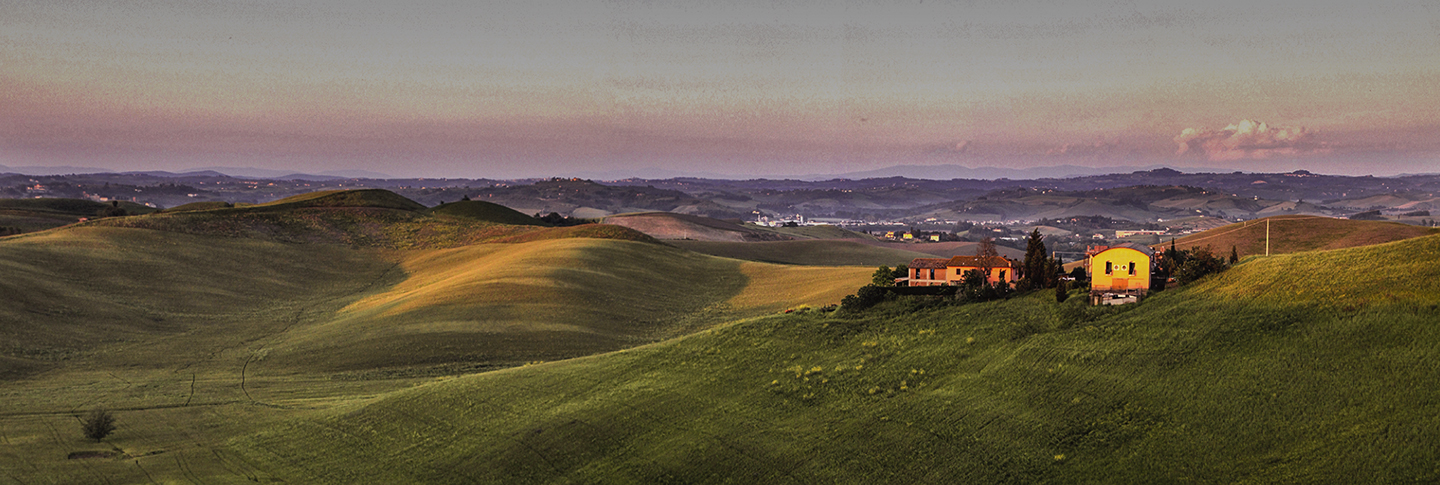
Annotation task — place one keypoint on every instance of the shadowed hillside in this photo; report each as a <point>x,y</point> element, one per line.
<point>377,198</point>
<point>480,210</point>
<point>71,291</point>
<point>30,215</point>
<point>669,225</point>
<point>369,218</point>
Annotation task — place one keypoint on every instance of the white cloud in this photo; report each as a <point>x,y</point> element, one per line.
<point>1096,148</point>
<point>1248,140</point>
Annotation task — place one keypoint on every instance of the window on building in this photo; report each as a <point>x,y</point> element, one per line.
<point>1002,275</point>
<point>1107,268</point>
<point>1132,268</point>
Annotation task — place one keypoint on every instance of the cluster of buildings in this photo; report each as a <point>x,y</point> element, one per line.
<point>909,236</point>
<point>778,221</point>
<point>1118,274</point>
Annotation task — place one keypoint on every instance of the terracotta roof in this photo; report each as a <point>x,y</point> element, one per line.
<point>928,263</point>
<point>974,262</point>
<point>1138,247</point>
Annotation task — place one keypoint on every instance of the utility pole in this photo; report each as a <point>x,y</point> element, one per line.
<point>1267,237</point>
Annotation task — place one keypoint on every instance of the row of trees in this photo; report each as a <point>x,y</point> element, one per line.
<point>1189,265</point>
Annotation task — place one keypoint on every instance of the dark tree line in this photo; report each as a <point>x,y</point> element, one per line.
<point>1189,265</point>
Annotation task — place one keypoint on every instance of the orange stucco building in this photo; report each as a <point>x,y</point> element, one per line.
<point>928,272</point>
<point>1119,272</point>
<point>940,271</point>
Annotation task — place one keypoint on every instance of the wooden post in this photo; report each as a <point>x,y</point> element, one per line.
<point>1267,237</point>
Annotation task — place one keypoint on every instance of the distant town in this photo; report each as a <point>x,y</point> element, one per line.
<point>1141,207</point>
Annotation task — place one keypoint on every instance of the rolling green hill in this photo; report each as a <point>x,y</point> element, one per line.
<point>1260,375</point>
<point>549,299</point>
<point>670,225</point>
<point>1289,234</point>
<point>369,218</point>
<point>379,198</point>
<point>822,252</point>
<point>200,206</point>
<point>254,359</point>
<point>485,211</point>
<point>194,339</point>
<point>30,215</point>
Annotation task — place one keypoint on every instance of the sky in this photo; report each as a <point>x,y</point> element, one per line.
<point>740,88</point>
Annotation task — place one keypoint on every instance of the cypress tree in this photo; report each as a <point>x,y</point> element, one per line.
<point>1036,264</point>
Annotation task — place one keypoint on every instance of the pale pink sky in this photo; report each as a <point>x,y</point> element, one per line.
<point>749,88</point>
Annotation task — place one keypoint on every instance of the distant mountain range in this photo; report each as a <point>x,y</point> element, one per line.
<point>925,172</point>
<point>242,172</point>
<point>952,171</point>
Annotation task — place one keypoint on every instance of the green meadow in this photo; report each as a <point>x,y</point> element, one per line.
<point>815,252</point>
<point>348,343</point>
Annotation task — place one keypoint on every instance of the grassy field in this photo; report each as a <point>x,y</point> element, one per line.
<point>1289,234</point>
<point>823,252</point>
<point>1237,379</point>
<point>243,360</point>
<point>485,211</point>
<point>670,225</point>
<point>30,215</point>
<point>194,339</point>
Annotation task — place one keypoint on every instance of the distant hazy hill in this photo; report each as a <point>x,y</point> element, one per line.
<point>953,171</point>
<point>265,173</point>
<point>669,225</point>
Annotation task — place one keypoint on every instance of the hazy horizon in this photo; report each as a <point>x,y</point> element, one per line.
<point>747,89</point>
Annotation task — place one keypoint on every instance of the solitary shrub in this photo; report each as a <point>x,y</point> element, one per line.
<point>98,424</point>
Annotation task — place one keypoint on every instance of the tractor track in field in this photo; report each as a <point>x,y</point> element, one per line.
<point>71,413</point>
<point>191,396</point>
<point>723,442</point>
<point>185,470</point>
<point>294,320</point>
<point>146,472</point>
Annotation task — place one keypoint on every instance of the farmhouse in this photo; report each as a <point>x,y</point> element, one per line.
<point>928,271</point>
<point>939,271</point>
<point>1120,273</point>
<point>1002,269</point>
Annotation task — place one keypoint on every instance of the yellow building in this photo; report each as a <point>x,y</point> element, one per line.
<point>1119,273</point>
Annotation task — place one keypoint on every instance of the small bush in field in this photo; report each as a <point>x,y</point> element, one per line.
<point>98,424</point>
